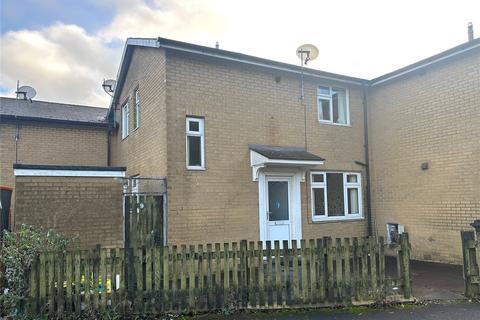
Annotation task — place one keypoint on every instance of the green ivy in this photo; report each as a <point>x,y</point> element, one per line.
<point>18,251</point>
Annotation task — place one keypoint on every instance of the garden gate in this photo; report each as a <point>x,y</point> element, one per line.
<point>471,260</point>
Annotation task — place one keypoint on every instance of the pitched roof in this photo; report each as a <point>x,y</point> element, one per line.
<point>284,153</point>
<point>180,46</point>
<point>11,108</point>
<point>447,54</point>
<point>186,47</point>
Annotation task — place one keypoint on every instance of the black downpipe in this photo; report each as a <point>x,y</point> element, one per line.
<point>111,127</point>
<point>109,139</point>
<point>17,137</point>
<point>367,161</point>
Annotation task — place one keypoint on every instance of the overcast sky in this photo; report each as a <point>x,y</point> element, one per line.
<point>66,48</point>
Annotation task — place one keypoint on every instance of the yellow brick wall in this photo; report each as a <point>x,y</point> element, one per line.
<point>46,143</point>
<point>430,116</point>
<point>144,151</point>
<point>88,208</point>
<point>244,105</point>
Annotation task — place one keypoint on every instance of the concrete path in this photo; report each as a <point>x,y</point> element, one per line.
<point>437,281</point>
<point>432,281</point>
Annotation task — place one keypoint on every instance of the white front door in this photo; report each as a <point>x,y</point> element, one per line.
<point>279,207</point>
<point>278,203</point>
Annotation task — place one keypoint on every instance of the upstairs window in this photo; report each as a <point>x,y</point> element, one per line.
<point>333,105</point>
<point>336,196</point>
<point>136,110</point>
<point>125,121</point>
<point>195,144</point>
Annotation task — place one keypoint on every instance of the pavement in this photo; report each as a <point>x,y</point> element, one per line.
<point>463,310</point>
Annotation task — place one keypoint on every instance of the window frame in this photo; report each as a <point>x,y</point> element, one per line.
<point>125,120</point>
<point>346,185</point>
<point>136,102</point>
<point>329,97</point>
<point>200,133</point>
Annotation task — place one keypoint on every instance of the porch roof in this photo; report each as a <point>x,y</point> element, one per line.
<point>262,156</point>
<point>284,153</point>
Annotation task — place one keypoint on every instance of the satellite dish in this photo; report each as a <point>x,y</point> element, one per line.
<point>26,93</point>
<point>109,86</point>
<point>307,52</point>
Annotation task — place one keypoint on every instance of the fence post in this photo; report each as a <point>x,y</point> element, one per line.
<point>468,264</point>
<point>381,265</point>
<point>33,301</point>
<point>405,261</point>
<point>126,236</point>
<point>243,272</point>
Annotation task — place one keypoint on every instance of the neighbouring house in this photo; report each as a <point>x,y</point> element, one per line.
<point>424,141</point>
<point>246,158</point>
<point>42,140</point>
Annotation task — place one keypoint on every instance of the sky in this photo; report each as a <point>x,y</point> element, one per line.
<point>65,48</point>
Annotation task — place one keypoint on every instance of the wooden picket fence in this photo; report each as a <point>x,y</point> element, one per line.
<point>256,275</point>
<point>471,264</point>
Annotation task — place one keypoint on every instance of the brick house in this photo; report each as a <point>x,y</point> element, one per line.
<point>246,158</point>
<point>228,132</point>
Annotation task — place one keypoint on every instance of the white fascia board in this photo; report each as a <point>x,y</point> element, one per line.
<point>257,159</point>
<point>68,173</point>
<point>296,162</point>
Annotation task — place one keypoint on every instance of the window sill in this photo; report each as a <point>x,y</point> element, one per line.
<point>196,168</point>
<point>335,124</point>
<point>337,219</point>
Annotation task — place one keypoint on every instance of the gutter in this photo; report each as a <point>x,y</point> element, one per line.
<point>261,64</point>
<point>58,121</point>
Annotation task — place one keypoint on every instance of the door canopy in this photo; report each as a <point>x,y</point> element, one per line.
<point>262,156</point>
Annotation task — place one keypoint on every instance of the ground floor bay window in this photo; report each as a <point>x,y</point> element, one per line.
<point>336,196</point>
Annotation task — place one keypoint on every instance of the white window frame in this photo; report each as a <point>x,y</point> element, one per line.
<point>136,97</point>
<point>346,185</point>
<point>321,96</point>
<point>199,133</point>
<point>125,116</point>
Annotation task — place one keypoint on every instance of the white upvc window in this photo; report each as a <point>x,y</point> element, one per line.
<point>336,196</point>
<point>333,106</point>
<point>125,121</point>
<point>195,143</point>
<point>136,96</point>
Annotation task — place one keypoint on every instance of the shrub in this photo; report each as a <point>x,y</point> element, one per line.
<point>18,251</point>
